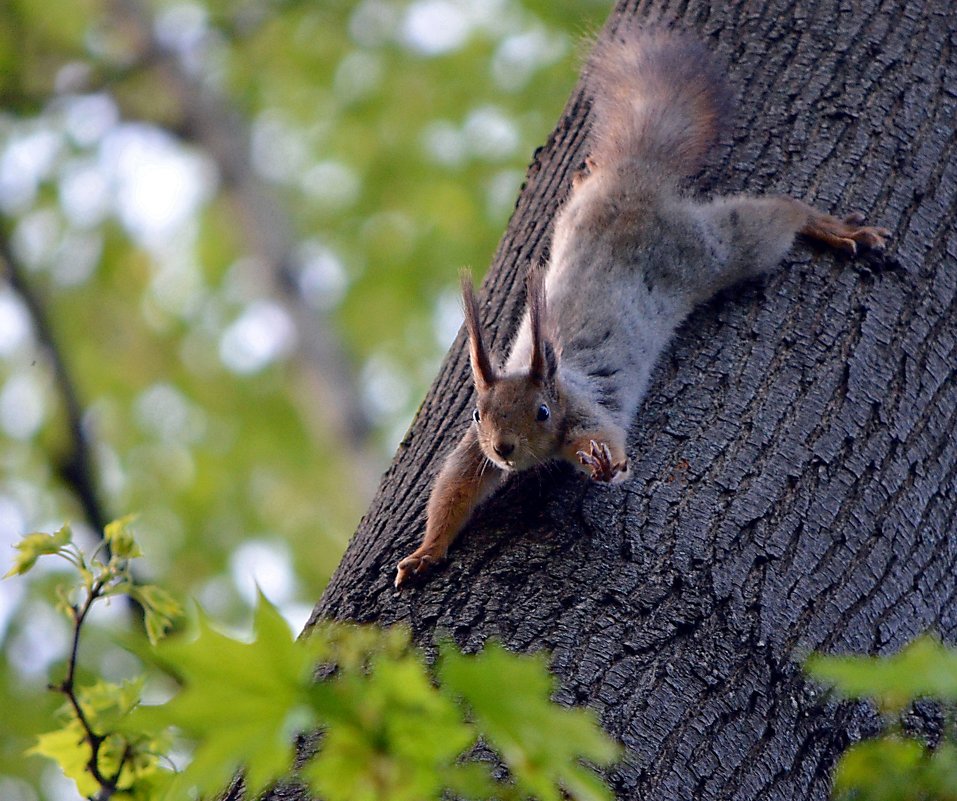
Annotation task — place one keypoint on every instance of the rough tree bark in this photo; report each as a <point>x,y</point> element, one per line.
<point>795,478</point>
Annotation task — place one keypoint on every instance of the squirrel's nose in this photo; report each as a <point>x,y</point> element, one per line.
<point>503,448</point>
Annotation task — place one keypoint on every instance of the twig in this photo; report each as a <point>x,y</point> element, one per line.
<point>108,785</point>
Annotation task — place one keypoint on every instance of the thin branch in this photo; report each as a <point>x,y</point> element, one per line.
<point>108,785</point>
<point>76,467</point>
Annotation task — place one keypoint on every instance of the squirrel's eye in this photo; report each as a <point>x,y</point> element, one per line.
<point>475,415</point>
<point>543,413</point>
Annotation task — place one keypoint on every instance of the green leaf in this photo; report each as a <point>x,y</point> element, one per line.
<point>68,747</point>
<point>241,702</point>
<point>120,538</point>
<point>388,734</point>
<point>105,704</point>
<point>107,707</point>
<point>33,546</point>
<point>894,768</point>
<point>351,647</point>
<point>160,609</point>
<point>879,770</point>
<point>941,772</point>
<point>541,742</point>
<point>923,669</point>
<point>474,780</point>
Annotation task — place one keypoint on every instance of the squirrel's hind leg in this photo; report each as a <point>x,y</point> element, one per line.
<point>753,234</point>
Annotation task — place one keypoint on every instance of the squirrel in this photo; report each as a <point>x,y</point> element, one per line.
<point>631,256</point>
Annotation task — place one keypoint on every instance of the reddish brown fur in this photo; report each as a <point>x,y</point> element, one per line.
<point>539,369</point>
<point>844,234</point>
<point>655,94</point>
<point>482,369</point>
<point>464,481</point>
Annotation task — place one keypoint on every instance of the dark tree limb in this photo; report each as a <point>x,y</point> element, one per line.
<point>795,480</point>
<point>77,466</point>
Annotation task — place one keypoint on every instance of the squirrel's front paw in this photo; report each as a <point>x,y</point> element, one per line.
<point>413,565</point>
<point>598,460</point>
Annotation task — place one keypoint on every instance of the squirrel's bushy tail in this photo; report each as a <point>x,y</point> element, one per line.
<point>659,101</point>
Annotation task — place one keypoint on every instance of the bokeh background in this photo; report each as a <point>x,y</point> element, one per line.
<point>229,240</point>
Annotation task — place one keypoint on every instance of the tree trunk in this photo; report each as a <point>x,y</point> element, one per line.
<point>795,478</point>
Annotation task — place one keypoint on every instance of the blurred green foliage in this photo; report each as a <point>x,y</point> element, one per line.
<point>394,135</point>
<point>387,732</point>
<point>897,767</point>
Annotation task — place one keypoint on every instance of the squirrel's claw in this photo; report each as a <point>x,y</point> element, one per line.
<point>598,459</point>
<point>847,234</point>
<point>413,565</point>
<point>871,236</point>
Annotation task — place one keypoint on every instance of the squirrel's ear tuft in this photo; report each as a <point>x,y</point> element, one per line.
<point>482,370</point>
<point>551,359</point>
<point>544,359</point>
